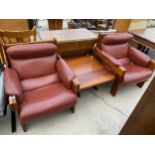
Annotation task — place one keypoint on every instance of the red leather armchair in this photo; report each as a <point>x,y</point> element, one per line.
<point>39,81</point>
<point>129,64</point>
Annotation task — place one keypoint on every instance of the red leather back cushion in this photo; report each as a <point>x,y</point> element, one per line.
<point>31,51</point>
<point>31,68</point>
<point>117,38</point>
<point>33,60</point>
<point>117,51</point>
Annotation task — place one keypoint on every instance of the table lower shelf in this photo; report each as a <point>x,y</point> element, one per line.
<point>89,71</point>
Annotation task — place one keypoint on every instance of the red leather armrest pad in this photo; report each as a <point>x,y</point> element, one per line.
<point>138,57</point>
<point>66,75</point>
<point>11,83</point>
<point>113,60</point>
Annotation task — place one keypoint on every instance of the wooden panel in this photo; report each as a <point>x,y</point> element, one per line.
<point>122,25</point>
<point>74,48</point>
<point>89,71</point>
<point>72,41</point>
<point>55,24</point>
<point>14,24</point>
<point>142,119</point>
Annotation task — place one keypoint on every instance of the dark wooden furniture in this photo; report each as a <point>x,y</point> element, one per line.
<point>142,119</point>
<point>55,24</point>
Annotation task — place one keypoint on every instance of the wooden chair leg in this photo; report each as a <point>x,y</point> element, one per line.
<point>140,85</point>
<point>78,94</point>
<point>72,109</point>
<point>95,87</point>
<point>24,127</point>
<point>13,121</point>
<point>114,87</point>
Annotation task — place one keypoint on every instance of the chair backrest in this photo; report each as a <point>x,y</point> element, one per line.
<point>115,44</point>
<point>13,37</point>
<point>10,37</point>
<point>33,60</point>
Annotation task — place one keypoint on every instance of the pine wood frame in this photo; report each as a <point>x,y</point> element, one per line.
<point>6,38</point>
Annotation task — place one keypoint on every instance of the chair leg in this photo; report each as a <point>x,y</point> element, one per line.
<point>114,88</point>
<point>72,109</point>
<point>13,121</point>
<point>95,87</point>
<point>78,94</point>
<point>140,85</point>
<point>24,127</point>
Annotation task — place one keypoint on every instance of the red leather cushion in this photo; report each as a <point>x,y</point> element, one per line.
<point>117,51</point>
<point>136,74</point>
<point>65,73</point>
<point>138,58</point>
<point>124,61</point>
<point>48,99</point>
<point>34,83</point>
<point>117,38</point>
<point>12,84</point>
<point>31,68</point>
<point>31,51</point>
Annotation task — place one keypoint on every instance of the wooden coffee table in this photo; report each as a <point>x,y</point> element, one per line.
<point>89,71</point>
<point>76,46</point>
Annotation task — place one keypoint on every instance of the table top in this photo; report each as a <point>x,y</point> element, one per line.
<point>147,34</point>
<point>67,35</point>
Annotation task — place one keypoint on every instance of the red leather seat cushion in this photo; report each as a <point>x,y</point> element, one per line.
<point>124,61</point>
<point>136,74</point>
<point>35,83</point>
<point>48,99</point>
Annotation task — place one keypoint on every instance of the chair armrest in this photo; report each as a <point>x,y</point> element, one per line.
<point>13,103</point>
<point>111,59</point>
<point>66,75</point>
<point>75,85</point>
<point>11,83</point>
<point>138,57</point>
<point>114,65</point>
<point>151,64</point>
